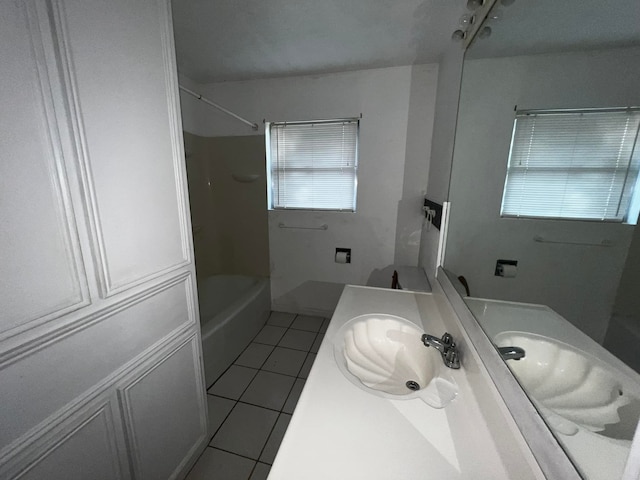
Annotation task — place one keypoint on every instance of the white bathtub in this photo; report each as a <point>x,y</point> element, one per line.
<point>233,309</point>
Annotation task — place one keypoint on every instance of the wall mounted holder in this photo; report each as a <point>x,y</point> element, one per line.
<point>343,255</point>
<point>506,268</point>
<point>436,218</point>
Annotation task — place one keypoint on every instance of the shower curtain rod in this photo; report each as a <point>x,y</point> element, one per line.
<point>219,107</point>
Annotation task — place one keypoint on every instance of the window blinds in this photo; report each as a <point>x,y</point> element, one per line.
<point>314,165</point>
<point>572,164</point>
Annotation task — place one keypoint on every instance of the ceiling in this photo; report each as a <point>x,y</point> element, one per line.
<point>219,40</point>
<point>547,26</point>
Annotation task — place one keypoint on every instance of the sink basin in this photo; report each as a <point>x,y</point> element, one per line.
<point>384,355</point>
<point>570,387</point>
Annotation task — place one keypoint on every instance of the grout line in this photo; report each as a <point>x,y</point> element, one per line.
<point>222,422</point>
<point>290,348</point>
<point>222,396</point>
<point>263,362</point>
<point>262,406</point>
<point>267,441</point>
<point>302,330</point>
<point>234,453</point>
<point>235,359</point>
<point>280,346</point>
<point>262,343</point>
<point>233,365</point>
<point>285,374</point>
<point>253,469</point>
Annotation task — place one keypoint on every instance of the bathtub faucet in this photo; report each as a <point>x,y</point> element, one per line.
<point>446,346</point>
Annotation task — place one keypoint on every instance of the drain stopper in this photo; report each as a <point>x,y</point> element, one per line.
<point>411,385</point>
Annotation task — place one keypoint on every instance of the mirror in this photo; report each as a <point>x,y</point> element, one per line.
<point>576,283</point>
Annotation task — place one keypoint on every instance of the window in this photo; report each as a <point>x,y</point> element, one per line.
<point>573,165</point>
<point>313,165</point>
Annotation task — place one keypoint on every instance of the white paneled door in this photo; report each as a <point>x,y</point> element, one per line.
<point>100,355</point>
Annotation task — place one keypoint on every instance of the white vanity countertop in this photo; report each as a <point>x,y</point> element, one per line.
<point>339,431</point>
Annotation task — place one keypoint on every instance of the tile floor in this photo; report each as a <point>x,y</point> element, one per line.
<point>250,405</point>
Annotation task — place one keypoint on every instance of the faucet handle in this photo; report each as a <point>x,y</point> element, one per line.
<point>447,339</point>
<point>451,358</point>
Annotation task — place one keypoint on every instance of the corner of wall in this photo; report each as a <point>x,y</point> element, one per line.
<point>444,127</point>
<point>421,111</point>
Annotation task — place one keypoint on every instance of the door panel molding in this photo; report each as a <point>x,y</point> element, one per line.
<point>95,395</point>
<point>22,348</point>
<point>108,284</point>
<point>130,415</point>
<point>40,446</point>
<point>50,133</point>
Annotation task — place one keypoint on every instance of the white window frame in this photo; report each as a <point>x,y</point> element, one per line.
<point>630,191</point>
<point>270,180</point>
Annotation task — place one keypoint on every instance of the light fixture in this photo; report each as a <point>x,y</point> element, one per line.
<point>466,20</point>
<point>485,32</point>
<point>459,35</point>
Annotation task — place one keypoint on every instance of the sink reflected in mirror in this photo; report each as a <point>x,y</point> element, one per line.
<point>588,398</point>
<point>575,389</point>
<point>384,356</point>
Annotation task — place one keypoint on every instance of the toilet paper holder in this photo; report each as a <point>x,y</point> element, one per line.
<point>343,255</point>
<point>505,268</point>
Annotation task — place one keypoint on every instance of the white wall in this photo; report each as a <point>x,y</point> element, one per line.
<point>304,276</point>
<point>578,282</point>
<point>444,130</point>
<point>416,169</point>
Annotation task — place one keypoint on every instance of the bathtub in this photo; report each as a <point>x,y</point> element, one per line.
<point>233,309</point>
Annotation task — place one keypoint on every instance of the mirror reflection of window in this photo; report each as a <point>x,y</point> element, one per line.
<point>574,165</point>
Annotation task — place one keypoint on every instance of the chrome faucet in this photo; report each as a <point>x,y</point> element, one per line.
<point>446,346</point>
<point>511,353</point>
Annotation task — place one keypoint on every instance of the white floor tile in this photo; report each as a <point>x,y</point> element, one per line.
<point>281,319</point>
<point>214,464</point>
<point>298,340</point>
<point>233,382</point>
<point>325,325</point>
<point>285,361</point>
<point>261,472</point>
<point>292,400</point>
<point>271,448</point>
<point>308,363</point>
<point>308,323</point>
<point>245,431</point>
<point>270,335</point>
<point>316,343</point>
<point>254,355</point>
<point>269,390</point>
<point>219,408</point>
